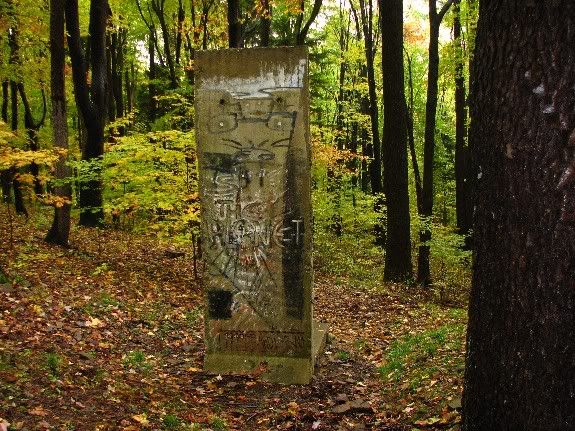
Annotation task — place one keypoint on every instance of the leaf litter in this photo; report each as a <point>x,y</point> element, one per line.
<point>107,335</point>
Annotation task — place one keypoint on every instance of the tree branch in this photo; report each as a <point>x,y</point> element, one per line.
<point>314,12</point>
<point>443,11</point>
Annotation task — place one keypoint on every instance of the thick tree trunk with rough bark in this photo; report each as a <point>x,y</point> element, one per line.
<point>520,370</point>
<point>60,230</point>
<point>395,180</point>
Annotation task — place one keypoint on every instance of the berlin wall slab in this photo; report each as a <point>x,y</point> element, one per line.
<point>252,132</point>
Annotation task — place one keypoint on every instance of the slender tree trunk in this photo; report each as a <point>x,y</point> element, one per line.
<point>366,14</point>
<point>60,230</point>
<point>152,76</point>
<point>180,32</point>
<point>5,180</point>
<point>129,83</point>
<point>5,175</point>
<point>411,139</point>
<point>520,372</point>
<point>158,7</point>
<point>435,18</point>
<point>461,186</point>
<point>91,100</point>
<point>395,181</point>
<point>16,184</point>
<point>301,31</point>
<point>265,23</point>
<point>32,128</point>
<point>5,97</point>
<point>234,24</point>
<point>15,61</point>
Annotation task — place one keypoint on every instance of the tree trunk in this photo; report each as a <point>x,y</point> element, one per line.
<point>60,230</point>
<point>129,83</point>
<point>15,61</point>
<point>435,18</point>
<point>301,31</point>
<point>91,100</point>
<point>520,372</point>
<point>158,7</point>
<point>32,128</point>
<point>234,24</point>
<point>5,96</point>
<point>180,33</point>
<point>152,76</point>
<point>366,14</point>
<point>395,180</point>
<point>461,190</point>
<point>265,23</point>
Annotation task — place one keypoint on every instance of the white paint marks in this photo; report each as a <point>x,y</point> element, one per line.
<point>256,86</point>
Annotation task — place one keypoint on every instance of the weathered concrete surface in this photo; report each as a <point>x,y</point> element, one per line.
<point>252,132</point>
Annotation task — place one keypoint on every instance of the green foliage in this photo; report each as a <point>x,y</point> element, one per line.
<point>137,360</point>
<point>218,424</point>
<point>151,178</point>
<point>53,364</point>
<point>414,353</point>
<point>193,316</point>
<point>171,422</point>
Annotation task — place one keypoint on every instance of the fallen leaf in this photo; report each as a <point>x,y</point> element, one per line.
<point>142,419</point>
<point>38,411</point>
<point>94,322</point>
<point>427,422</point>
<point>293,408</point>
<point>44,425</point>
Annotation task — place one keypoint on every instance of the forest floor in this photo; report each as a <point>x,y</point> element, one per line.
<point>107,335</point>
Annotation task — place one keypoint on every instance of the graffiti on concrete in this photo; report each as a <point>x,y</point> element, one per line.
<point>251,227</point>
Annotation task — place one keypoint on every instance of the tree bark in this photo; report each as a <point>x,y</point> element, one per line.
<point>158,8</point>
<point>60,230</point>
<point>234,24</point>
<point>32,128</point>
<point>180,33</point>
<point>366,15</point>
<point>435,18</point>
<point>152,76</point>
<point>301,30</point>
<point>520,372</point>
<point>462,209</point>
<point>265,23</point>
<point>5,97</point>
<point>395,181</point>
<point>411,138</point>
<point>91,100</point>
<point>15,61</point>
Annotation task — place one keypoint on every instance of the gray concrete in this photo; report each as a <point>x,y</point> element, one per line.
<point>252,131</point>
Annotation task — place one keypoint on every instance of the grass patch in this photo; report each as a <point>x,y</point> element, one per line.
<point>53,363</point>
<point>414,358</point>
<point>137,360</point>
<point>171,422</point>
<point>193,316</point>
